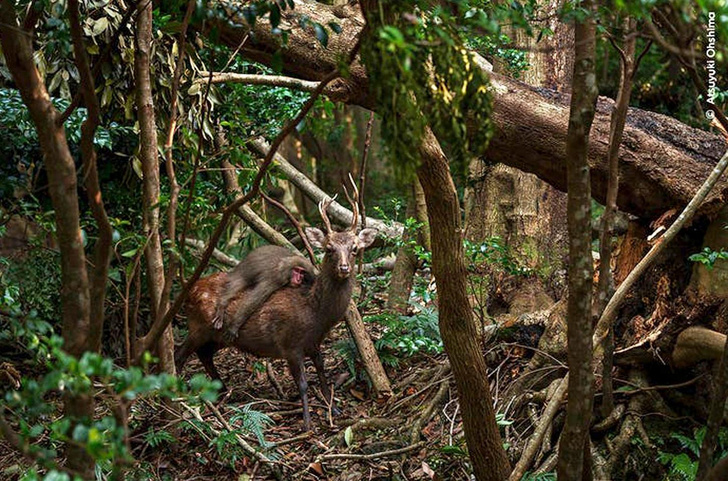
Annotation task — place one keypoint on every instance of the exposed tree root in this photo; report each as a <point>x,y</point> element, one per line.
<point>610,421</point>
<point>428,411</point>
<point>536,438</point>
<point>620,445</point>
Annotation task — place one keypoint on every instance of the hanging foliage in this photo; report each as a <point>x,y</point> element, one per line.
<point>421,74</point>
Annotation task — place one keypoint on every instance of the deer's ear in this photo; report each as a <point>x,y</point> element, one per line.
<point>366,237</point>
<point>315,237</point>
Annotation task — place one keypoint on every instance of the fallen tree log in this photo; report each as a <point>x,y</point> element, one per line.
<point>662,161</point>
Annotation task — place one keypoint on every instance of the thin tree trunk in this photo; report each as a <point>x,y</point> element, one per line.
<point>174,188</point>
<point>606,280</point>
<point>575,436</point>
<point>457,323</point>
<point>102,249</point>
<point>62,185</point>
<point>150,169</point>
<point>367,351</point>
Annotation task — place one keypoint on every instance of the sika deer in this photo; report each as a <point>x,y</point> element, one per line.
<point>294,321</point>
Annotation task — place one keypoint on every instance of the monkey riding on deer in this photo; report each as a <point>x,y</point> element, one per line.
<point>264,271</point>
<point>292,321</point>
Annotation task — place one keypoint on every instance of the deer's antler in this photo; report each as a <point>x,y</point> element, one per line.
<point>354,202</point>
<point>323,207</point>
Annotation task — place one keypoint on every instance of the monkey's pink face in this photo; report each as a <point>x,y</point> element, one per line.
<point>297,276</point>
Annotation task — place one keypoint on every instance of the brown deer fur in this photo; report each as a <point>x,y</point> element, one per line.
<point>293,321</point>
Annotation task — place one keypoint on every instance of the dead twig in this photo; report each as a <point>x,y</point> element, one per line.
<point>369,457</point>
<point>274,380</point>
<point>294,222</point>
<point>294,439</point>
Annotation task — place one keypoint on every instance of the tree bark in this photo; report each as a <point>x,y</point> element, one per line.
<point>662,161</point>
<point>575,436</point>
<point>527,213</point>
<point>715,416</point>
<point>150,169</point>
<point>364,345</point>
<point>457,324</point>
<point>62,185</point>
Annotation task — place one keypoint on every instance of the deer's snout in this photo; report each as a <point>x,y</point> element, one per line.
<point>344,270</point>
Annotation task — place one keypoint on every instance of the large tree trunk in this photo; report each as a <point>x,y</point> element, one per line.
<point>662,161</point>
<point>62,185</point>
<point>150,170</point>
<point>457,323</point>
<point>713,280</point>
<point>527,213</point>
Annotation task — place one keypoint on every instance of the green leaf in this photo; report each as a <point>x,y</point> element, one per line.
<point>100,25</point>
<point>275,15</point>
<point>349,436</point>
<point>321,35</point>
<point>194,89</point>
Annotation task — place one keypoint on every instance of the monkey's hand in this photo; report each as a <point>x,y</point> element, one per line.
<point>219,318</point>
<point>231,333</point>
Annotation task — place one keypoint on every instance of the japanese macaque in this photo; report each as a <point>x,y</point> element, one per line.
<point>264,271</point>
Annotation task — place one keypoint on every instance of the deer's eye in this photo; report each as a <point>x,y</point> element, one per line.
<point>354,250</point>
<point>330,249</point>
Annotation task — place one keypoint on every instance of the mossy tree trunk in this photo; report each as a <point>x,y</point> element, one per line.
<point>526,212</point>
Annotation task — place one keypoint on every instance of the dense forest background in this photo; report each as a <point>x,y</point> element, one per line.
<point>546,294</point>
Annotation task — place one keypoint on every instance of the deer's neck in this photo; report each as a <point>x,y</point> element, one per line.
<point>331,296</point>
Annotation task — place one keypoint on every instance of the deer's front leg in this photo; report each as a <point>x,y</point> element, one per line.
<point>299,376</point>
<point>326,389</point>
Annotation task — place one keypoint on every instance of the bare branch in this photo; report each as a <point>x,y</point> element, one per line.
<point>295,223</point>
<point>339,213</point>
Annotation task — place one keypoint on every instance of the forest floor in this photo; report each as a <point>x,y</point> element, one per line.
<point>414,434</point>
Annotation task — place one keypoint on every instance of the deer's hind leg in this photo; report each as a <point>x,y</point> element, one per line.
<point>206,354</point>
<point>181,354</point>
